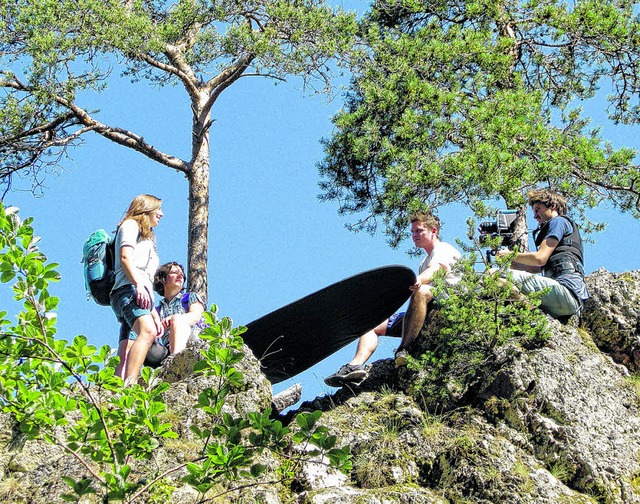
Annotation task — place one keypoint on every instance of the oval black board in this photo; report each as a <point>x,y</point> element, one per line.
<point>297,336</point>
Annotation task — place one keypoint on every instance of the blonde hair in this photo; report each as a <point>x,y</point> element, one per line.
<point>140,210</point>
<point>548,198</point>
<point>427,218</point>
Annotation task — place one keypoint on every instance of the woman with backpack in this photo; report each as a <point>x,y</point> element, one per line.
<point>136,261</point>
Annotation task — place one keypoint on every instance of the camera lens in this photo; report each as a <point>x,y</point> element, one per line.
<point>488,227</point>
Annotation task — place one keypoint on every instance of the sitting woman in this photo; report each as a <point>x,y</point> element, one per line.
<point>179,310</point>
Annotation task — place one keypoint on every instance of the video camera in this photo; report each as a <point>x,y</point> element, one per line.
<point>502,227</point>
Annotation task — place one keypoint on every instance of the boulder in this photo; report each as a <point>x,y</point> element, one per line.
<point>612,315</point>
<point>554,422</point>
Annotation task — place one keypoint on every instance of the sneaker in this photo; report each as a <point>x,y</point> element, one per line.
<point>346,374</point>
<point>401,357</point>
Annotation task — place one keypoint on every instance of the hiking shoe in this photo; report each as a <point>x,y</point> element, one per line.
<point>346,374</point>
<point>401,357</point>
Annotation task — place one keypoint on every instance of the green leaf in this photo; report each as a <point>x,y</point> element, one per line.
<point>306,421</point>
<point>257,470</point>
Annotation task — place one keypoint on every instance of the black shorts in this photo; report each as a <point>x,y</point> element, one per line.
<point>394,326</point>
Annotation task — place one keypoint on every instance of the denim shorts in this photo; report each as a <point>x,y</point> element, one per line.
<point>126,333</point>
<point>124,305</point>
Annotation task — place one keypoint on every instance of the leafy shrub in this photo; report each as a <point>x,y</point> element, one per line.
<point>68,394</point>
<point>476,321</point>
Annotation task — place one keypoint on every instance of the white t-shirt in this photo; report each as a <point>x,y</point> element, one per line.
<point>145,257</point>
<point>445,255</point>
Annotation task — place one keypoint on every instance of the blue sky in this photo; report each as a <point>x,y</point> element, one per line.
<point>271,241</point>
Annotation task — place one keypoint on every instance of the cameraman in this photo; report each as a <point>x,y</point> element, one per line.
<point>558,257</point>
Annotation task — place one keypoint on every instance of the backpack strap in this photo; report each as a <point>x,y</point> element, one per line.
<point>185,302</point>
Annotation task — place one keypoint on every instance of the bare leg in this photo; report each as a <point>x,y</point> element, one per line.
<point>179,335</point>
<point>353,372</point>
<point>416,315</point>
<point>367,344</point>
<point>145,328</point>
<point>123,350</point>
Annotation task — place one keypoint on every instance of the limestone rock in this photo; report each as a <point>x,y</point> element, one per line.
<point>556,423</point>
<point>577,410</point>
<point>612,315</point>
<point>559,423</point>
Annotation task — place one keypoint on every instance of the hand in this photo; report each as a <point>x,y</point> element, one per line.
<point>158,322</point>
<point>143,299</point>
<point>502,252</point>
<point>415,287</point>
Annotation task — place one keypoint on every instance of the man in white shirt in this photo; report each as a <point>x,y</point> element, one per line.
<point>425,232</point>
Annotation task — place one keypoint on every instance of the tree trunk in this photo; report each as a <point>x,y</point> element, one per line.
<point>198,226</point>
<point>520,232</point>
<point>198,178</point>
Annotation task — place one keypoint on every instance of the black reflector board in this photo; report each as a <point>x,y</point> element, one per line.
<point>297,336</point>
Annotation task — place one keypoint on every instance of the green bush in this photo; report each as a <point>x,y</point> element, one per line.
<point>476,318</point>
<point>67,394</point>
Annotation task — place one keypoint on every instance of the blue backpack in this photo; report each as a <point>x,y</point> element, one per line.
<point>98,256</point>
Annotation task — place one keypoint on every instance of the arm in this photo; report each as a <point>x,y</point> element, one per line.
<point>194,314</point>
<point>533,261</point>
<point>158,322</point>
<point>191,318</point>
<point>426,276</point>
<point>442,258</point>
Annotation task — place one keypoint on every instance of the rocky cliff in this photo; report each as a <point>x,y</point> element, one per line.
<point>551,424</point>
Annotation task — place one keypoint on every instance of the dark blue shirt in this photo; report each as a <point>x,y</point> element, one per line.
<point>559,227</point>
